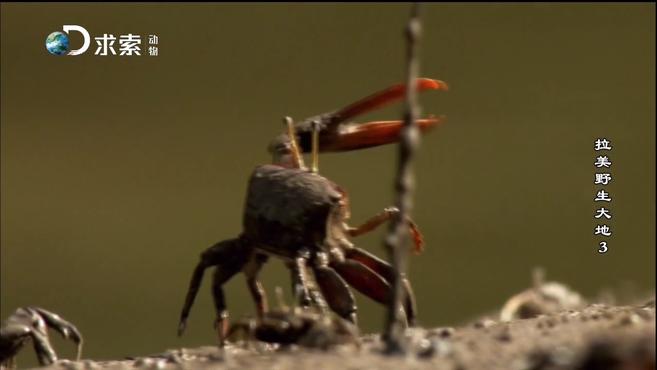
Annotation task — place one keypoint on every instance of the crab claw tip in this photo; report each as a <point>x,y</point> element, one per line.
<point>431,84</point>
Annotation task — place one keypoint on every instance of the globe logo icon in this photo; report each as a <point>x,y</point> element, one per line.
<point>57,43</point>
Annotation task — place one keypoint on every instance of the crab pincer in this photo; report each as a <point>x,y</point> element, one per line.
<point>338,134</point>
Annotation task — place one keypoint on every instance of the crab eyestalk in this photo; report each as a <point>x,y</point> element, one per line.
<point>297,158</point>
<point>315,148</point>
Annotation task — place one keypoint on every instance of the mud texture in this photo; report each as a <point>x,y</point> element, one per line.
<point>596,337</point>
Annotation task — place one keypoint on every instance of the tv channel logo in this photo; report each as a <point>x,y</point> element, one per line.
<point>57,43</point>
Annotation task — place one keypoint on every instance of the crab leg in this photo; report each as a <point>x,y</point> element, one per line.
<point>300,281</point>
<point>336,292</point>
<point>63,327</point>
<point>385,270</point>
<point>364,280</point>
<point>305,292</point>
<point>378,219</point>
<point>43,349</point>
<point>370,283</point>
<point>251,270</point>
<point>229,256</point>
<point>25,323</point>
<point>334,289</point>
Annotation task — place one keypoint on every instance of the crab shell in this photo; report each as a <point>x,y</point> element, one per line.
<point>291,209</point>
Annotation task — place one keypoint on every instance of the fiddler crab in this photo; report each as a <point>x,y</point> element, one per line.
<point>541,299</point>
<point>31,323</point>
<point>295,214</point>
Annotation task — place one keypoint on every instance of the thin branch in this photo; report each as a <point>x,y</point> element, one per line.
<point>397,240</point>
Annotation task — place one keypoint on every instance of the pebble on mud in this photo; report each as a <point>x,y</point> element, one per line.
<point>442,332</point>
<point>630,319</point>
<point>482,324</point>
<point>434,347</point>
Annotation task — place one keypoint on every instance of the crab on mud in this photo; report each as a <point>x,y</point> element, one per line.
<point>297,215</point>
<point>32,323</point>
<point>309,327</point>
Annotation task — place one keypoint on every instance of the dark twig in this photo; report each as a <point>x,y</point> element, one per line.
<point>397,240</point>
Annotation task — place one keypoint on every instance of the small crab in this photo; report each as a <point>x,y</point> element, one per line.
<point>295,214</point>
<point>311,327</point>
<point>32,323</point>
<point>543,298</point>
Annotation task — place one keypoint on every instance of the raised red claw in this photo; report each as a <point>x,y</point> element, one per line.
<point>385,97</point>
<point>370,134</point>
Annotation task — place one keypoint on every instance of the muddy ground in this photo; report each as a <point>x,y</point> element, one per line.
<point>594,336</point>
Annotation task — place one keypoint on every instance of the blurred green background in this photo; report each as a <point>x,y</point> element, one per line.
<point>118,171</point>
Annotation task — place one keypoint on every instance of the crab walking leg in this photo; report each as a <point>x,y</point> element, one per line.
<point>317,298</point>
<point>335,290</point>
<point>43,349</point>
<point>303,289</point>
<point>300,290</point>
<point>380,218</point>
<point>11,341</point>
<point>13,336</point>
<point>63,327</point>
<point>386,271</point>
<point>221,276</point>
<point>40,340</point>
<point>365,280</point>
<point>229,256</point>
<point>251,270</point>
